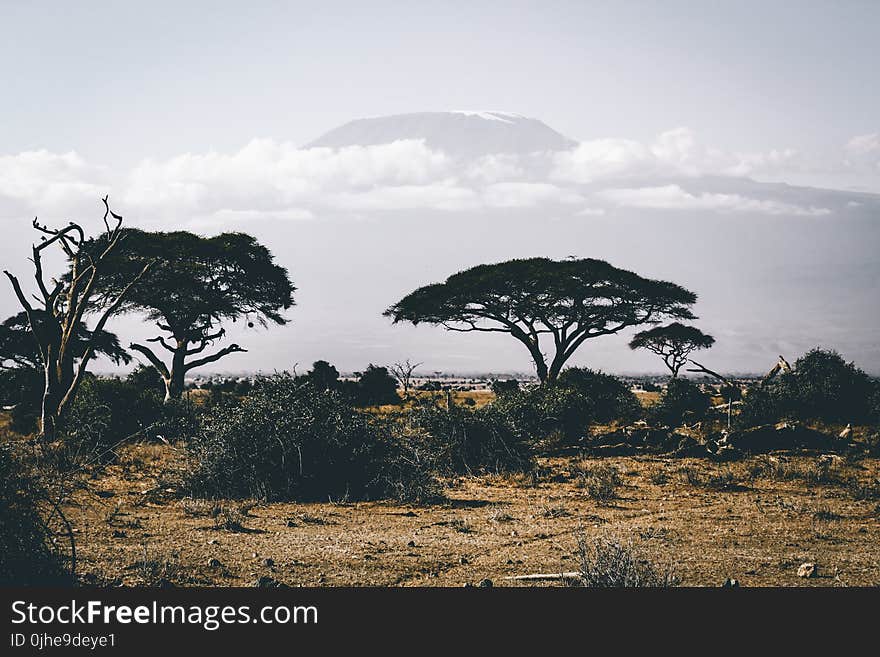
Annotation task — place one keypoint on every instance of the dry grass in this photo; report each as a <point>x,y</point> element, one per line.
<point>758,532</point>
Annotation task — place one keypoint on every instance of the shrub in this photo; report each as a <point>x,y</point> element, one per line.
<point>505,387</point>
<point>324,376</point>
<point>375,386</point>
<point>601,481</point>
<point>612,563</point>
<point>286,440</point>
<point>146,378</point>
<point>546,413</point>
<point>822,386</point>
<point>681,402</point>
<point>107,411</point>
<point>470,441</point>
<point>22,389</point>
<point>25,555</point>
<point>609,397</point>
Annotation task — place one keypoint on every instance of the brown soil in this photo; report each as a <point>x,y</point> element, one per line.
<point>744,524</point>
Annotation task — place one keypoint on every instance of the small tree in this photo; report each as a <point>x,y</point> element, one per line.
<point>403,372</point>
<point>202,283</point>
<point>64,350</point>
<point>21,368</point>
<point>324,376</point>
<point>568,301</point>
<point>376,386</point>
<point>674,343</point>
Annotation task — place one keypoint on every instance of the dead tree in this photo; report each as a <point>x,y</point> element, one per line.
<point>781,366</point>
<point>705,370</point>
<point>62,303</point>
<point>403,373</point>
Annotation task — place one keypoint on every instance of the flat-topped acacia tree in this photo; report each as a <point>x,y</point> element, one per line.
<point>564,301</point>
<point>202,283</point>
<point>673,343</point>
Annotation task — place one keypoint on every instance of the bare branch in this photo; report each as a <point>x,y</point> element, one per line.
<point>234,348</point>
<point>161,341</point>
<point>152,357</point>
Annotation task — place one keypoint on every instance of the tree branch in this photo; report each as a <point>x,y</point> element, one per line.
<point>213,357</point>
<point>153,358</point>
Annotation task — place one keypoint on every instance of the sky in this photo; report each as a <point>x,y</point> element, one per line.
<point>194,115</point>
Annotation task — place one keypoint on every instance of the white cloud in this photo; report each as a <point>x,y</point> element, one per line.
<point>492,168</point>
<point>50,181</point>
<point>602,158</point>
<point>863,151</point>
<point>673,197</point>
<point>269,174</point>
<point>590,212</point>
<point>675,152</point>
<point>273,179</point>
<point>522,194</point>
<point>443,195</point>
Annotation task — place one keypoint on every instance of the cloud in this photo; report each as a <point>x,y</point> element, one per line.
<point>675,152</point>
<point>492,168</point>
<point>863,151</point>
<point>673,197</point>
<point>443,195</point>
<point>269,174</point>
<point>522,194</point>
<point>49,181</point>
<point>590,212</point>
<point>275,179</point>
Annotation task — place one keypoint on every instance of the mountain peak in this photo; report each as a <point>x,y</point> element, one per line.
<point>458,133</point>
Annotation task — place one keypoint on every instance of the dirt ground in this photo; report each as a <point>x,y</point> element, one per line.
<point>707,521</point>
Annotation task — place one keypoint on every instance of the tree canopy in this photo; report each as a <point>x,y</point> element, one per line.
<point>18,348</point>
<point>674,343</point>
<point>201,283</point>
<point>568,302</point>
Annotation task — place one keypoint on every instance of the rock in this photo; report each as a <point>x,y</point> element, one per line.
<point>846,434</point>
<point>781,436</point>
<point>485,584</point>
<point>807,569</point>
<point>411,544</point>
<point>730,583</point>
<point>214,563</point>
<point>266,582</point>
<point>213,541</point>
<point>291,523</point>
<point>268,562</point>
<point>463,560</point>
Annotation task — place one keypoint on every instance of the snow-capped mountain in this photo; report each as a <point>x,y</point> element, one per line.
<point>463,134</point>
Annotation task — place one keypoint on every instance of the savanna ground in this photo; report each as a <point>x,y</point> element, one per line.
<point>754,520</point>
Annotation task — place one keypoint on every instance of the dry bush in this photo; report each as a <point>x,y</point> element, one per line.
<point>600,480</point>
<point>226,516</point>
<point>607,562</point>
<point>551,512</point>
<point>725,479</point>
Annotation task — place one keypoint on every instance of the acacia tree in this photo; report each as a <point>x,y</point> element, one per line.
<point>568,302</point>
<point>19,349</point>
<point>403,372</point>
<point>203,282</point>
<point>674,343</point>
<point>56,322</point>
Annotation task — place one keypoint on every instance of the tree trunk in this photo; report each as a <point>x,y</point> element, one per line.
<point>49,419</point>
<point>174,383</point>
<point>541,370</point>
